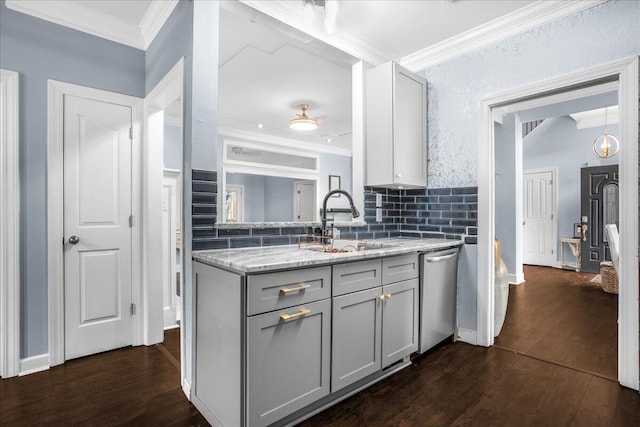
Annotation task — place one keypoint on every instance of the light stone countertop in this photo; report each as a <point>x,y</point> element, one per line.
<point>271,258</point>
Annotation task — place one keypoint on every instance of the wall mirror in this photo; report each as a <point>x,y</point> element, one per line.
<point>269,172</point>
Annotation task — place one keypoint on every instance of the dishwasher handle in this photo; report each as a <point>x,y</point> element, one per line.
<point>441,258</point>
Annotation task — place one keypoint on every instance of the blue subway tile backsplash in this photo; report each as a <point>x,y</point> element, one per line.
<point>449,213</point>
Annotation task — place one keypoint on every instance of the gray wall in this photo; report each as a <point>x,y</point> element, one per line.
<point>191,32</point>
<point>266,198</point>
<point>505,203</point>
<point>557,143</point>
<point>253,195</point>
<point>278,199</point>
<point>40,50</point>
<point>601,34</point>
<point>172,147</point>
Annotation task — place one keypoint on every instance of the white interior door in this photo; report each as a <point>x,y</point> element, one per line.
<point>170,250</point>
<point>539,239</point>
<point>97,227</point>
<point>304,200</point>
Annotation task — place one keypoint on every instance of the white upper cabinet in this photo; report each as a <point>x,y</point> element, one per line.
<point>396,128</point>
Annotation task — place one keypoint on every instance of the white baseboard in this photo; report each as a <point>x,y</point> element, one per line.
<point>33,364</point>
<point>516,279</point>
<point>467,335</point>
<point>186,388</point>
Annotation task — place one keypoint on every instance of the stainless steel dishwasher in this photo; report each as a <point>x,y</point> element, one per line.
<point>438,284</point>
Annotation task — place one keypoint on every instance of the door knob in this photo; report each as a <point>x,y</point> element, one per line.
<point>584,232</point>
<point>74,239</point>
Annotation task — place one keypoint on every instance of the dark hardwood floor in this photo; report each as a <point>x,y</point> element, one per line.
<point>458,384</point>
<point>562,317</point>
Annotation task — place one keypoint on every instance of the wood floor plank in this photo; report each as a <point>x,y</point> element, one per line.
<point>560,316</point>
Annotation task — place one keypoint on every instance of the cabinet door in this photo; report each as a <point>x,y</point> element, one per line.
<point>357,321</point>
<point>399,321</point>
<point>287,361</point>
<point>409,128</point>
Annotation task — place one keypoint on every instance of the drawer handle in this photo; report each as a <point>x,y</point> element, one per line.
<point>287,317</point>
<point>440,258</point>
<point>296,289</point>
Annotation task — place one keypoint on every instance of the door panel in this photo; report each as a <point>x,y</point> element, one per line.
<point>99,286</point>
<point>539,242</point>
<point>399,321</point>
<point>97,206</point>
<point>594,183</point>
<point>357,336</point>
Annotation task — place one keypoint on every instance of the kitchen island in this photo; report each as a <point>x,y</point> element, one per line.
<point>284,332</point>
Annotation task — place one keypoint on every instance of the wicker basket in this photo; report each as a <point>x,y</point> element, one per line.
<point>609,279</point>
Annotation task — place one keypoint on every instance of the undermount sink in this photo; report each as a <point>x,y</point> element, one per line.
<point>340,246</point>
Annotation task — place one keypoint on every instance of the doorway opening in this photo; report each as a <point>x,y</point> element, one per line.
<point>624,74</point>
<point>559,316</point>
<point>165,207</point>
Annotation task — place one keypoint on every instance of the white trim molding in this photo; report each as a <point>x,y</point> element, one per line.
<point>9,224</point>
<point>517,22</point>
<point>186,388</point>
<point>84,18</point>
<point>55,209</point>
<point>467,335</point>
<point>516,279</point>
<point>33,364</point>
<point>153,20</point>
<point>626,73</point>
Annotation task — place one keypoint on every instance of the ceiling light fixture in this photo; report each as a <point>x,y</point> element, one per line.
<point>606,145</point>
<point>303,122</point>
<point>260,125</point>
<point>330,13</point>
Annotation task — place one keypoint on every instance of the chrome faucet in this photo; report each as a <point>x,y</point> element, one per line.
<point>354,211</point>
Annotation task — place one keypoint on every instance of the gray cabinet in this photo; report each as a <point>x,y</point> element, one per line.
<point>357,337</point>
<point>288,361</point>
<point>377,327</point>
<point>273,291</point>
<point>271,347</point>
<point>356,276</point>
<point>399,321</point>
<point>396,127</point>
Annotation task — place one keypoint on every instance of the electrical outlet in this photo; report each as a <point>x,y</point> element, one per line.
<point>378,200</point>
<point>378,215</point>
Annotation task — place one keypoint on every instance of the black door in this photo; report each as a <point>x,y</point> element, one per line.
<point>599,206</point>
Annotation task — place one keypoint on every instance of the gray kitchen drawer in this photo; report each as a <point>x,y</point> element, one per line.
<point>399,268</point>
<point>275,291</point>
<point>356,276</point>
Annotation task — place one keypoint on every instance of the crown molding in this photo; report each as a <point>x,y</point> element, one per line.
<point>79,17</point>
<point>289,13</point>
<point>154,19</point>
<point>519,21</point>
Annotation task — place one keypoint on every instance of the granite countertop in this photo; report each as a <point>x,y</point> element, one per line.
<point>268,258</point>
